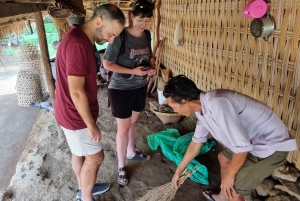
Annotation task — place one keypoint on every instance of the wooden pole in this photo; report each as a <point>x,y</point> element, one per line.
<point>29,26</point>
<point>44,52</point>
<point>46,63</point>
<point>157,26</point>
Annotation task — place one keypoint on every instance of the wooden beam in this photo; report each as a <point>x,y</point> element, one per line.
<point>12,9</point>
<point>46,62</point>
<point>29,1</point>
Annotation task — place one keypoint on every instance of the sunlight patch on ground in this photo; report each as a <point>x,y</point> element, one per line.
<point>8,79</point>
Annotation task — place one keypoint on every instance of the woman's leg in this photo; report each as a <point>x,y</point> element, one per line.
<point>131,148</point>
<point>122,142</point>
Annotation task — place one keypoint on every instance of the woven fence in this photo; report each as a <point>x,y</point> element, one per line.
<point>220,52</point>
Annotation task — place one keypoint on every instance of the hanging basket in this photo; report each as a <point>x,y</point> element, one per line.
<point>57,12</point>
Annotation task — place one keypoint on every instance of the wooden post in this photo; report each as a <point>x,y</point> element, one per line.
<point>44,52</point>
<point>29,26</point>
<point>46,62</point>
<point>157,26</point>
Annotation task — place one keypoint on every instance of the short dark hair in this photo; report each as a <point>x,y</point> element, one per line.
<point>143,8</point>
<point>180,87</point>
<point>109,12</point>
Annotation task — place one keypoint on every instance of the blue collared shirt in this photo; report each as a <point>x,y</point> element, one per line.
<point>242,124</point>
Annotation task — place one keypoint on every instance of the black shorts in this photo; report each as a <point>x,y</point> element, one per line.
<point>123,102</point>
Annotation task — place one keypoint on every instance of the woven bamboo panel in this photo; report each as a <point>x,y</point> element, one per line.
<point>220,52</point>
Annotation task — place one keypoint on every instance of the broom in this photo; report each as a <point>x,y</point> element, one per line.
<point>166,192</point>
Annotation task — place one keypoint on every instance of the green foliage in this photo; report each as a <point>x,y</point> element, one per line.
<point>101,3</point>
<point>28,38</point>
<point>50,28</point>
<point>48,19</point>
<point>51,36</point>
<point>10,51</point>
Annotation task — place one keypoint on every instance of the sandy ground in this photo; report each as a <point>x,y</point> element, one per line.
<point>44,170</point>
<point>15,122</point>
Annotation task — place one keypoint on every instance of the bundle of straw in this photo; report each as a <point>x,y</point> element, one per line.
<point>165,192</point>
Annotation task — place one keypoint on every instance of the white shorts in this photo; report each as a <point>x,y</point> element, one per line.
<point>80,143</point>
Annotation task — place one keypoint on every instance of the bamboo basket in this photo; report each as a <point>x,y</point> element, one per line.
<point>220,52</point>
<point>29,58</point>
<point>28,88</point>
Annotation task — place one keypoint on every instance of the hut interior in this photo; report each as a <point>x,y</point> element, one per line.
<point>218,49</point>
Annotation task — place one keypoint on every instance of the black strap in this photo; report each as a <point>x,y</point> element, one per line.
<point>123,36</point>
<point>148,34</point>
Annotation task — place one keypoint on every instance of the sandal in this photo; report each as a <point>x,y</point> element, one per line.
<point>122,178</point>
<point>209,194</point>
<point>140,157</point>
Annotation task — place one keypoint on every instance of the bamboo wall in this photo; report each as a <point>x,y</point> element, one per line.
<point>220,52</point>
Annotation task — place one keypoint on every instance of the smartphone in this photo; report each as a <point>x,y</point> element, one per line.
<point>147,68</point>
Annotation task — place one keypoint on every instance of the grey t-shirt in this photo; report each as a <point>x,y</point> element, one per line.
<point>137,53</point>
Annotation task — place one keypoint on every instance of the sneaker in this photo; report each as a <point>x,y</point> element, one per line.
<point>98,189</point>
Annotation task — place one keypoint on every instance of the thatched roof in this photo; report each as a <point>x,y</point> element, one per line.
<point>12,24</point>
<point>15,14</point>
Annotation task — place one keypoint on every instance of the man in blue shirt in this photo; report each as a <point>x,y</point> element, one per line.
<point>255,139</point>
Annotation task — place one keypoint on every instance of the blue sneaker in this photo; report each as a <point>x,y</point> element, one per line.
<point>98,189</point>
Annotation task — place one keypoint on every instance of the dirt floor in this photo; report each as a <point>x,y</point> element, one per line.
<point>44,169</point>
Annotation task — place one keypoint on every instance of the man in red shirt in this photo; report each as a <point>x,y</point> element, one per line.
<point>76,105</point>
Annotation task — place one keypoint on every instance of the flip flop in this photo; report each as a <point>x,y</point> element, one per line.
<point>209,193</point>
<point>139,157</point>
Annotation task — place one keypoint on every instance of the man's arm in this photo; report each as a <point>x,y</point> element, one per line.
<point>238,159</point>
<point>191,152</point>
<point>80,100</point>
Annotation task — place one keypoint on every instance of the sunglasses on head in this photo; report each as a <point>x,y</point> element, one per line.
<point>140,3</point>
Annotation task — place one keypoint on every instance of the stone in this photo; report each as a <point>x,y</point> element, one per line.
<point>247,198</point>
<point>286,172</point>
<point>265,187</point>
<point>281,198</point>
<point>292,188</point>
<point>275,192</point>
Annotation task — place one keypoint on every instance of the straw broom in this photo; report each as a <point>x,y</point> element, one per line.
<point>166,192</point>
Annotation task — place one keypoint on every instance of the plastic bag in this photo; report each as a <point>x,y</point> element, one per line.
<point>174,146</point>
<point>178,34</point>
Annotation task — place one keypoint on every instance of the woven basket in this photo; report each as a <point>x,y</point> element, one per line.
<point>168,117</point>
<point>57,12</point>
<point>28,88</point>
<point>30,60</point>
